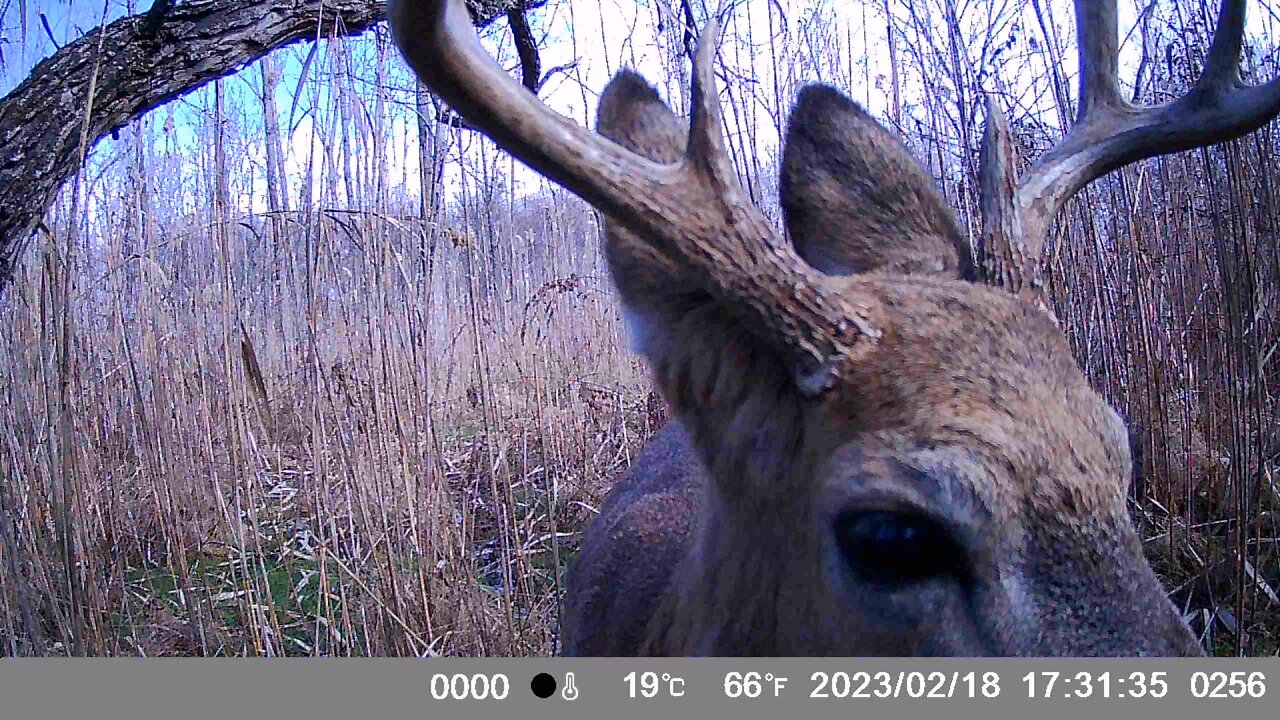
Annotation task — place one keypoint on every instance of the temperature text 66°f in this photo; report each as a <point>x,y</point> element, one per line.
<point>753,684</point>
<point>651,684</point>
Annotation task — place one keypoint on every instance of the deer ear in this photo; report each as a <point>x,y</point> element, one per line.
<point>854,198</point>
<point>631,114</point>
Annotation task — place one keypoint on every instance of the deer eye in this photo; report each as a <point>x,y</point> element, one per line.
<point>896,549</point>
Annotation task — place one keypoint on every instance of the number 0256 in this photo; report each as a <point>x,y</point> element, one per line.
<point>1238,684</point>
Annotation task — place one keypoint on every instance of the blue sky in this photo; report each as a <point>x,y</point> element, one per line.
<point>610,33</point>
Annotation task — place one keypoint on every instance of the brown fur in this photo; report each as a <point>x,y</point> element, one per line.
<point>968,408</point>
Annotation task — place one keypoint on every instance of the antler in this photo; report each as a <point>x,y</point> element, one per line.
<point>1109,133</point>
<point>694,212</point>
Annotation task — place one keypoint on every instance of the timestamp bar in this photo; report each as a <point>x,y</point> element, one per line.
<point>565,689</point>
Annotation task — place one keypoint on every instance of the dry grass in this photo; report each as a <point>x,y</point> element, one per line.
<point>381,488</point>
<point>372,480</point>
<point>335,429</point>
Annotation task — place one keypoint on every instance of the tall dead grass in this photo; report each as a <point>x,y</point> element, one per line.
<point>380,478</point>
<point>368,420</point>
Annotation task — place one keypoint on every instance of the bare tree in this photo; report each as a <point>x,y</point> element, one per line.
<point>120,71</point>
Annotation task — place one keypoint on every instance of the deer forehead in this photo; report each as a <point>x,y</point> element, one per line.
<point>1052,462</point>
<point>986,375</point>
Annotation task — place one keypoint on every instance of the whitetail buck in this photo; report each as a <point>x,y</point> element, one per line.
<point>875,454</point>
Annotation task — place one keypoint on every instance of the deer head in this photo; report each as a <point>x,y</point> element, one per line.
<point>890,458</point>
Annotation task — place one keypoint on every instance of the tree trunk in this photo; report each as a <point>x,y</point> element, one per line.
<point>145,61</point>
<point>277,197</point>
<point>433,145</point>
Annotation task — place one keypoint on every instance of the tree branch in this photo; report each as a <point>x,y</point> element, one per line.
<point>527,49</point>
<point>147,60</point>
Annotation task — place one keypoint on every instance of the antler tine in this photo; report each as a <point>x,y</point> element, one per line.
<point>1222,64</point>
<point>694,211</point>
<point>706,137</point>
<point>1097,38</point>
<point>440,44</point>
<point>1110,133</point>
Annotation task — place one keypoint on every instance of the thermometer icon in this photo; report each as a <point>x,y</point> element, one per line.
<point>570,691</point>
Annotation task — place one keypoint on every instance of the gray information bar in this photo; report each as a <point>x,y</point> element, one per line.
<point>956,689</point>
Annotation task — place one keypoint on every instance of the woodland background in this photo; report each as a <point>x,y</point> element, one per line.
<point>298,365</point>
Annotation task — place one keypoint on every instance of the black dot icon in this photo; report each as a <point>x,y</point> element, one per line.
<point>543,685</point>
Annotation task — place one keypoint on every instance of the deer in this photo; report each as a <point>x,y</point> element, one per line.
<point>882,444</point>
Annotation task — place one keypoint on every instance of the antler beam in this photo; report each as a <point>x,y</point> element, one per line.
<point>695,211</point>
<point>1109,133</point>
